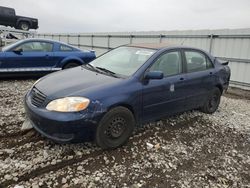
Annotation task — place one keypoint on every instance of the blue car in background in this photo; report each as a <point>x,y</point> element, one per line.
<point>36,57</point>
<point>124,88</point>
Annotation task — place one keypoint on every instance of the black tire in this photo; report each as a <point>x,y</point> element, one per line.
<point>213,101</point>
<point>115,128</point>
<point>70,65</point>
<point>24,26</point>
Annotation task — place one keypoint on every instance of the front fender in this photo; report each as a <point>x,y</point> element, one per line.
<point>131,102</point>
<point>23,19</point>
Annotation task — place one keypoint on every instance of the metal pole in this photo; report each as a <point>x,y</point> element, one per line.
<point>109,41</point>
<point>78,40</point>
<point>211,43</point>
<point>92,42</point>
<point>160,37</point>
<point>131,39</point>
<point>5,42</point>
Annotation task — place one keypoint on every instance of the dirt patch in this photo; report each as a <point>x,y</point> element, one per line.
<point>236,93</point>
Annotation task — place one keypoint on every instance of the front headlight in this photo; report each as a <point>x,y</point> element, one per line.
<point>68,104</point>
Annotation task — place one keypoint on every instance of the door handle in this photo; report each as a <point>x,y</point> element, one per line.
<point>181,78</point>
<point>210,73</point>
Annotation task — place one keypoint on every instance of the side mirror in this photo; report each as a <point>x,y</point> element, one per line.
<point>156,75</point>
<point>18,51</point>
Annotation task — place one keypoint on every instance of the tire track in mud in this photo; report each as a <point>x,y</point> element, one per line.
<point>42,170</point>
<point>15,134</point>
<point>19,138</point>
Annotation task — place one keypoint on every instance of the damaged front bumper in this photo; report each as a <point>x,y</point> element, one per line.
<point>64,127</point>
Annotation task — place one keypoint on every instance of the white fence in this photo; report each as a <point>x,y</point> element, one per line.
<point>231,45</point>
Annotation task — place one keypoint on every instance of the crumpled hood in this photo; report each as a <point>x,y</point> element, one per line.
<point>76,81</point>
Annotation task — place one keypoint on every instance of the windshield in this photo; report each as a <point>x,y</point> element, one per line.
<point>123,61</point>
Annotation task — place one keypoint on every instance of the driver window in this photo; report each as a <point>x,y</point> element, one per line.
<point>36,47</point>
<point>169,63</point>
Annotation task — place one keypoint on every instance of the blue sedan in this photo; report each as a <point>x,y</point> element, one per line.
<point>37,57</point>
<point>124,88</point>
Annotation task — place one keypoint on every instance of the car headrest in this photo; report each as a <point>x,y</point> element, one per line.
<point>172,58</point>
<point>197,60</point>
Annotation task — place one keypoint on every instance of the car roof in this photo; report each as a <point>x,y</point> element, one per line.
<point>155,46</point>
<point>158,46</point>
<point>41,39</point>
<point>48,40</point>
<point>6,7</point>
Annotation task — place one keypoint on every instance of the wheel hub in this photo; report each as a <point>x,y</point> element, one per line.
<point>24,27</point>
<point>115,128</point>
<point>213,101</point>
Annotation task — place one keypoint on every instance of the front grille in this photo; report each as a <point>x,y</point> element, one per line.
<point>37,97</point>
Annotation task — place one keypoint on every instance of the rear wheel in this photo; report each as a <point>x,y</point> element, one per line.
<point>70,65</point>
<point>213,101</point>
<point>24,26</point>
<point>115,128</point>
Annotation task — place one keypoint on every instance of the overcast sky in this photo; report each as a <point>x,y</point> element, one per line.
<point>76,16</point>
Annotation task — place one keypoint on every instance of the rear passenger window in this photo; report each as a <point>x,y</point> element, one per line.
<point>197,61</point>
<point>169,63</point>
<point>65,48</point>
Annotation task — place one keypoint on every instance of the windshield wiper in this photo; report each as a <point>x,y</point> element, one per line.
<point>91,67</point>
<point>88,65</point>
<point>107,71</point>
<point>100,70</point>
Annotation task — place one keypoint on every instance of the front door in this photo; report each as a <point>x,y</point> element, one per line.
<point>30,56</point>
<point>166,96</point>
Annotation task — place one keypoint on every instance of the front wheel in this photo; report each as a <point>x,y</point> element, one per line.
<point>213,101</point>
<point>24,26</point>
<point>115,128</point>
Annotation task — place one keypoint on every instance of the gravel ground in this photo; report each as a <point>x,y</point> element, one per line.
<point>189,150</point>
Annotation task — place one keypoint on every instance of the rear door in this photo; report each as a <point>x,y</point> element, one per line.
<point>166,96</point>
<point>200,77</point>
<point>34,56</point>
